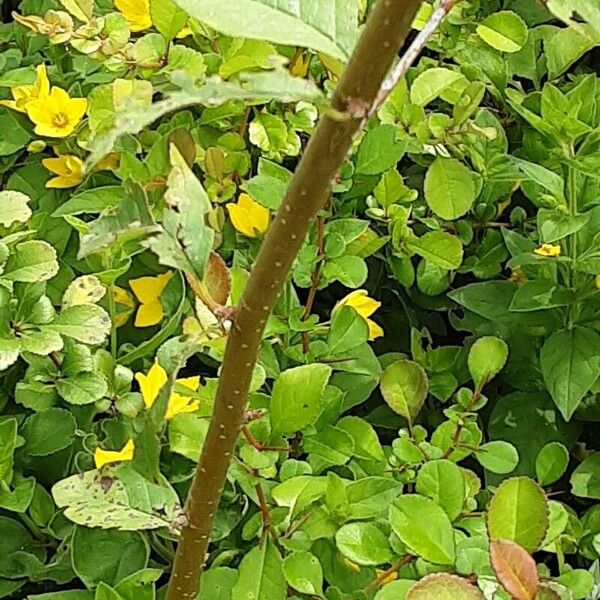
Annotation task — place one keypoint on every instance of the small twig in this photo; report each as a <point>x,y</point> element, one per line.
<point>315,279</point>
<point>259,445</point>
<point>411,55</point>
<point>460,426</point>
<point>383,576</point>
<point>264,509</point>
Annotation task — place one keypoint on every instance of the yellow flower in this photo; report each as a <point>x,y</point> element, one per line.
<point>148,291</point>
<point>598,281</point>
<point>249,217</point>
<point>179,404</point>
<point>185,31</point>
<point>548,250</point>
<point>57,114</point>
<point>365,306</point>
<point>104,457</point>
<point>69,169</point>
<point>151,384</point>
<point>125,305</point>
<point>24,94</point>
<point>137,13</point>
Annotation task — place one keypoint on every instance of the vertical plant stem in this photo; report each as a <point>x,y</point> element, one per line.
<point>112,309</point>
<point>308,191</point>
<point>315,279</point>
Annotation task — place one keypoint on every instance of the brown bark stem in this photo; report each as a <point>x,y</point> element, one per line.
<point>308,191</point>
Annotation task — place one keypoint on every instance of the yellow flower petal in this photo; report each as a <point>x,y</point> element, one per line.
<point>359,300</point>
<point>151,384</point>
<point>598,281</point>
<point>149,314</point>
<point>185,32</point>
<point>149,289</point>
<point>69,169</point>
<point>548,250</point>
<point>179,405</point>
<point>137,13</point>
<point>375,331</point>
<point>104,457</point>
<point>248,217</point>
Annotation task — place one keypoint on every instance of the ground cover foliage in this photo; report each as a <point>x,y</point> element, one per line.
<point>423,418</point>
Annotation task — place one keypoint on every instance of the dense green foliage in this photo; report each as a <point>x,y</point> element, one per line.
<point>422,417</point>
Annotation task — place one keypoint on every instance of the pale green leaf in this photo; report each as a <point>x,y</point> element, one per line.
<point>14,208</point>
<point>424,527</point>
<point>328,27</point>
<point>518,512</point>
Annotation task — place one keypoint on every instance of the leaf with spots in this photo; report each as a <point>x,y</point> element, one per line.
<point>116,498</point>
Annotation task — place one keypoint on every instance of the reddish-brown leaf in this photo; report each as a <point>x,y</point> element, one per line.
<point>214,288</point>
<point>515,569</point>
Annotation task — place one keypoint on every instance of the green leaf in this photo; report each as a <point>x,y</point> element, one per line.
<point>570,362</point>
<point>80,9</point>
<point>8,441</point>
<point>270,85</point>
<point>585,480</point>
<point>14,208</point>
<point>498,457</point>
<point>438,247</point>
<point>19,498</point>
<point>19,133</point>
<point>83,388</point>
<point>186,435</point>
<point>549,180</point>
<point>579,581</point>
<point>31,261</point>
<point>432,83</point>
<point>115,498</point>
<point>404,386</point>
<point>186,241</point>
<point>554,224</point>
<point>551,463</point>
<point>167,17</point>
<point>107,556</point>
<point>424,527</point>
<point>443,482</point>
<point>571,11</point>
<point>261,574</point>
<point>505,31</point>
<point>364,544</point>
<point>379,150</point>
<point>296,398</point>
<point>303,572</point>
<point>348,330</point>
<point>330,27</point>
<point>85,323</point>
<point>518,512</point>
<point>366,442</point>
<point>218,582</point>
<point>92,201</point>
<point>487,358</point>
<point>450,188</point>
<point>48,432</point>
<point>396,590</point>
<point>443,586</point>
